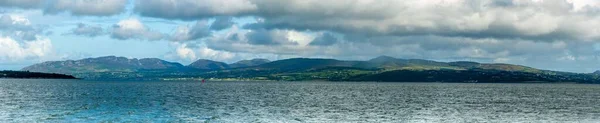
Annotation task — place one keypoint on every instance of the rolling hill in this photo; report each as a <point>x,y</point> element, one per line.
<point>103,64</point>
<point>249,63</point>
<point>204,64</point>
<point>384,68</point>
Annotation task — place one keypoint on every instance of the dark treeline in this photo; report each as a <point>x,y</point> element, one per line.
<point>476,75</point>
<point>33,75</point>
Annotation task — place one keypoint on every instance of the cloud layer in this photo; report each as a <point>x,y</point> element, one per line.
<point>18,27</point>
<point>526,19</point>
<point>192,9</point>
<point>75,7</point>
<point>555,32</point>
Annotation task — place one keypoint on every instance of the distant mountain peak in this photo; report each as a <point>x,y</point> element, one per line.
<point>254,60</point>
<point>249,63</point>
<point>208,64</point>
<point>465,64</point>
<point>151,59</point>
<point>101,64</point>
<point>204,60</point>
<point>383,59</point>
<point>110,57</point>
<point>261,59</point>
<point>597,72</point>
<point>112,65</point>
<point>103,57</point>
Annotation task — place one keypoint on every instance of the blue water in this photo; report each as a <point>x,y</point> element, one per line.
<point>91,101</point>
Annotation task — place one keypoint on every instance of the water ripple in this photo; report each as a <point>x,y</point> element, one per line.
<point>84,101</point>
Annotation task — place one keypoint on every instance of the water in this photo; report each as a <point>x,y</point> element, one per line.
<point>86,101</point>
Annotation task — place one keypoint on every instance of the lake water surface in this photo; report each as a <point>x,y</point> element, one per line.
<point>92,101</point>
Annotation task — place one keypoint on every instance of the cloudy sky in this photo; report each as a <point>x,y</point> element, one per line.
<point>550,34</point>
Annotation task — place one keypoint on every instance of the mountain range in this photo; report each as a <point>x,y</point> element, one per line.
<point>123,64</point>
<point>383,68</point>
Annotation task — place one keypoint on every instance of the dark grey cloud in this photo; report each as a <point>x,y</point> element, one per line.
<point>234,37</point>
<point>269,37</point>
<point>75,7</point>
<point>502,3</point>
<point>86,7</point>
<point>555,55</point>
<point>192,9</point>
<point>187,33</point>
<point>87,30</point>
<point>512,31</point>
<point>547,20</point>
<point>21,3</point>
<point>326,39</point>
<point>222,23</point>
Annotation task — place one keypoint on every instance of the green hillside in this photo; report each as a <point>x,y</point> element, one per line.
<point>382,68</point>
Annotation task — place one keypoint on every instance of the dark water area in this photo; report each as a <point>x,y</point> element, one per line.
<point>95,101</point>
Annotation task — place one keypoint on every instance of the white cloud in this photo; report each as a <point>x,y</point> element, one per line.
<point>278,37</point>
<point>514,31</point>
<point>201,52</point>
<point>13,22</point>
<point>134,29</point>
<point>584,4</point>
<point>19,27</point>
<point>188,53</point>
<point>12,50</point>
<point>208,53</point>
<point>183,52</point>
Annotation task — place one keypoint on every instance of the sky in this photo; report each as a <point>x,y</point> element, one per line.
<point>548,34</point>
